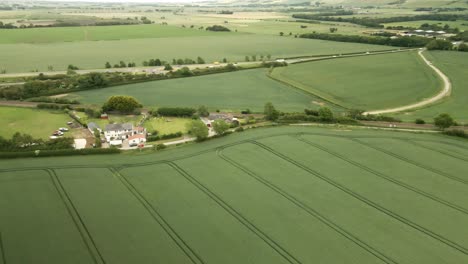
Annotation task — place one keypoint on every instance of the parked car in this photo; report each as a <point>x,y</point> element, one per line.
<point>63,129</point>
<point>57,133</point>
<point>70,123</point>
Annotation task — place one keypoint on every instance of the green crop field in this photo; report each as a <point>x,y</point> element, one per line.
<point>37,123</point>
<point>278,195</point>
<point>69,34</point>
<point>455,66</point>
<point>365,82</point>
<point>25,57</point>
<point>226,91</point>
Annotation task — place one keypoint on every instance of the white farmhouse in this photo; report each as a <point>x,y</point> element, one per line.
<point>118,131</point>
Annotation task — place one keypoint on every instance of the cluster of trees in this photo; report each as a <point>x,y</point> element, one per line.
<point>226,12</point>
<point>218,28</point>
<point>46,85</point>
<point>122,104</point>
<point>121,64</point>
<point>113,22</point>
<point>376,22</point>
<point>188,61</point>
<point>438,44</point>
<point>25,142</point>
<point>398,42</point>
<point>259,57</point>
<point>154,62</point>
<point>440,9</point>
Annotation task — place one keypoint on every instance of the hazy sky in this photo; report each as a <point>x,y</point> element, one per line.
<point>131,1</point>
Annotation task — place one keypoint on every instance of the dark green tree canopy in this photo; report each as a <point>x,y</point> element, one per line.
<point>121,103</point>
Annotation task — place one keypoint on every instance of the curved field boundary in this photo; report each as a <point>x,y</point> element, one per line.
<point>233,212</point>
<point>325,97</point>
<point>446,90</point>
<point>363,199</point>
<point>77,219</point>
<point>308,209</point>
<point>2,250</point>
<point>386,177</point>
<point>441,173</point>
<point>189,252</point>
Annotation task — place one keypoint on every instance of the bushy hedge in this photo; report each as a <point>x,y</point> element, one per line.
<point>398,42</point>
<point>175,111</point>
<point>456,133</point>
<point>54,153</point>
<point>164,137</point>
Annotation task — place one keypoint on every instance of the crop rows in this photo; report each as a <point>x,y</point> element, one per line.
<point>195,257</point>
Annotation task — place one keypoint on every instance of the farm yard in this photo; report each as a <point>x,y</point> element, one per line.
<point>370,82</point>
<point>274,195</point>
<point>226,91</point>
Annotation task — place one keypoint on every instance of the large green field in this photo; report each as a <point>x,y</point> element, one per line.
<point>279,195</point>
<point>37,123</point>
<point>366,82</point>
<point>454,65</point>
<point>95,33</point>
<point>247,89</point>
<point>25,57</point>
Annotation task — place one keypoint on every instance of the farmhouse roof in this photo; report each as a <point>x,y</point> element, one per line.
<point>139,129</point>
<point>93,126</point>
<point>137,136</point>
<point>127,126</point>
<point>219,116</point>
<point>114,127</point>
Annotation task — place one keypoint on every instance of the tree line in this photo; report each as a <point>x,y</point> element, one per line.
<point>376,22</point>
<point>388,41</point>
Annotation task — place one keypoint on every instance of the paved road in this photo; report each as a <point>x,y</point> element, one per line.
<point>447,89</point>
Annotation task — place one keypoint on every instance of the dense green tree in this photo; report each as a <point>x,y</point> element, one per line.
<point>200,60</point>
<point>198,129</point>
<point>220,127</point>
<point>270,112</point>
<point>203,111</point>
<point>463,47</point>
<point>444,121</point>
<point>168,67</point>
<point>439,44</point>
<point>108,65</point>
<point>121,103</point>
<point>325,114</point>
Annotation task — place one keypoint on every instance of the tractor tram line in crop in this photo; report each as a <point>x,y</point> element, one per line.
<point>196,258</point>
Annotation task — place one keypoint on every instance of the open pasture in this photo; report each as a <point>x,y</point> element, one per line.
<point>365,82</point>
<point>96,33</point>
<point>246,89</point>
<point>279,195</point>
<point>233,46</point>
<point>37,123</point>
<point>455,66</point>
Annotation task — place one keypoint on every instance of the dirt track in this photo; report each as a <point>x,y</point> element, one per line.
<point>445,92</point>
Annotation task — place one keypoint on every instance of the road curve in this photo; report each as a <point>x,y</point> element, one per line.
<point>445,92</point>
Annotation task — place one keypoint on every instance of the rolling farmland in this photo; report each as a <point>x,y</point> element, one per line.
<point>454,65</point>
<point>282,195</point>
<point>371,82</point>
<point>226,91</point>
<point>26,57</point>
